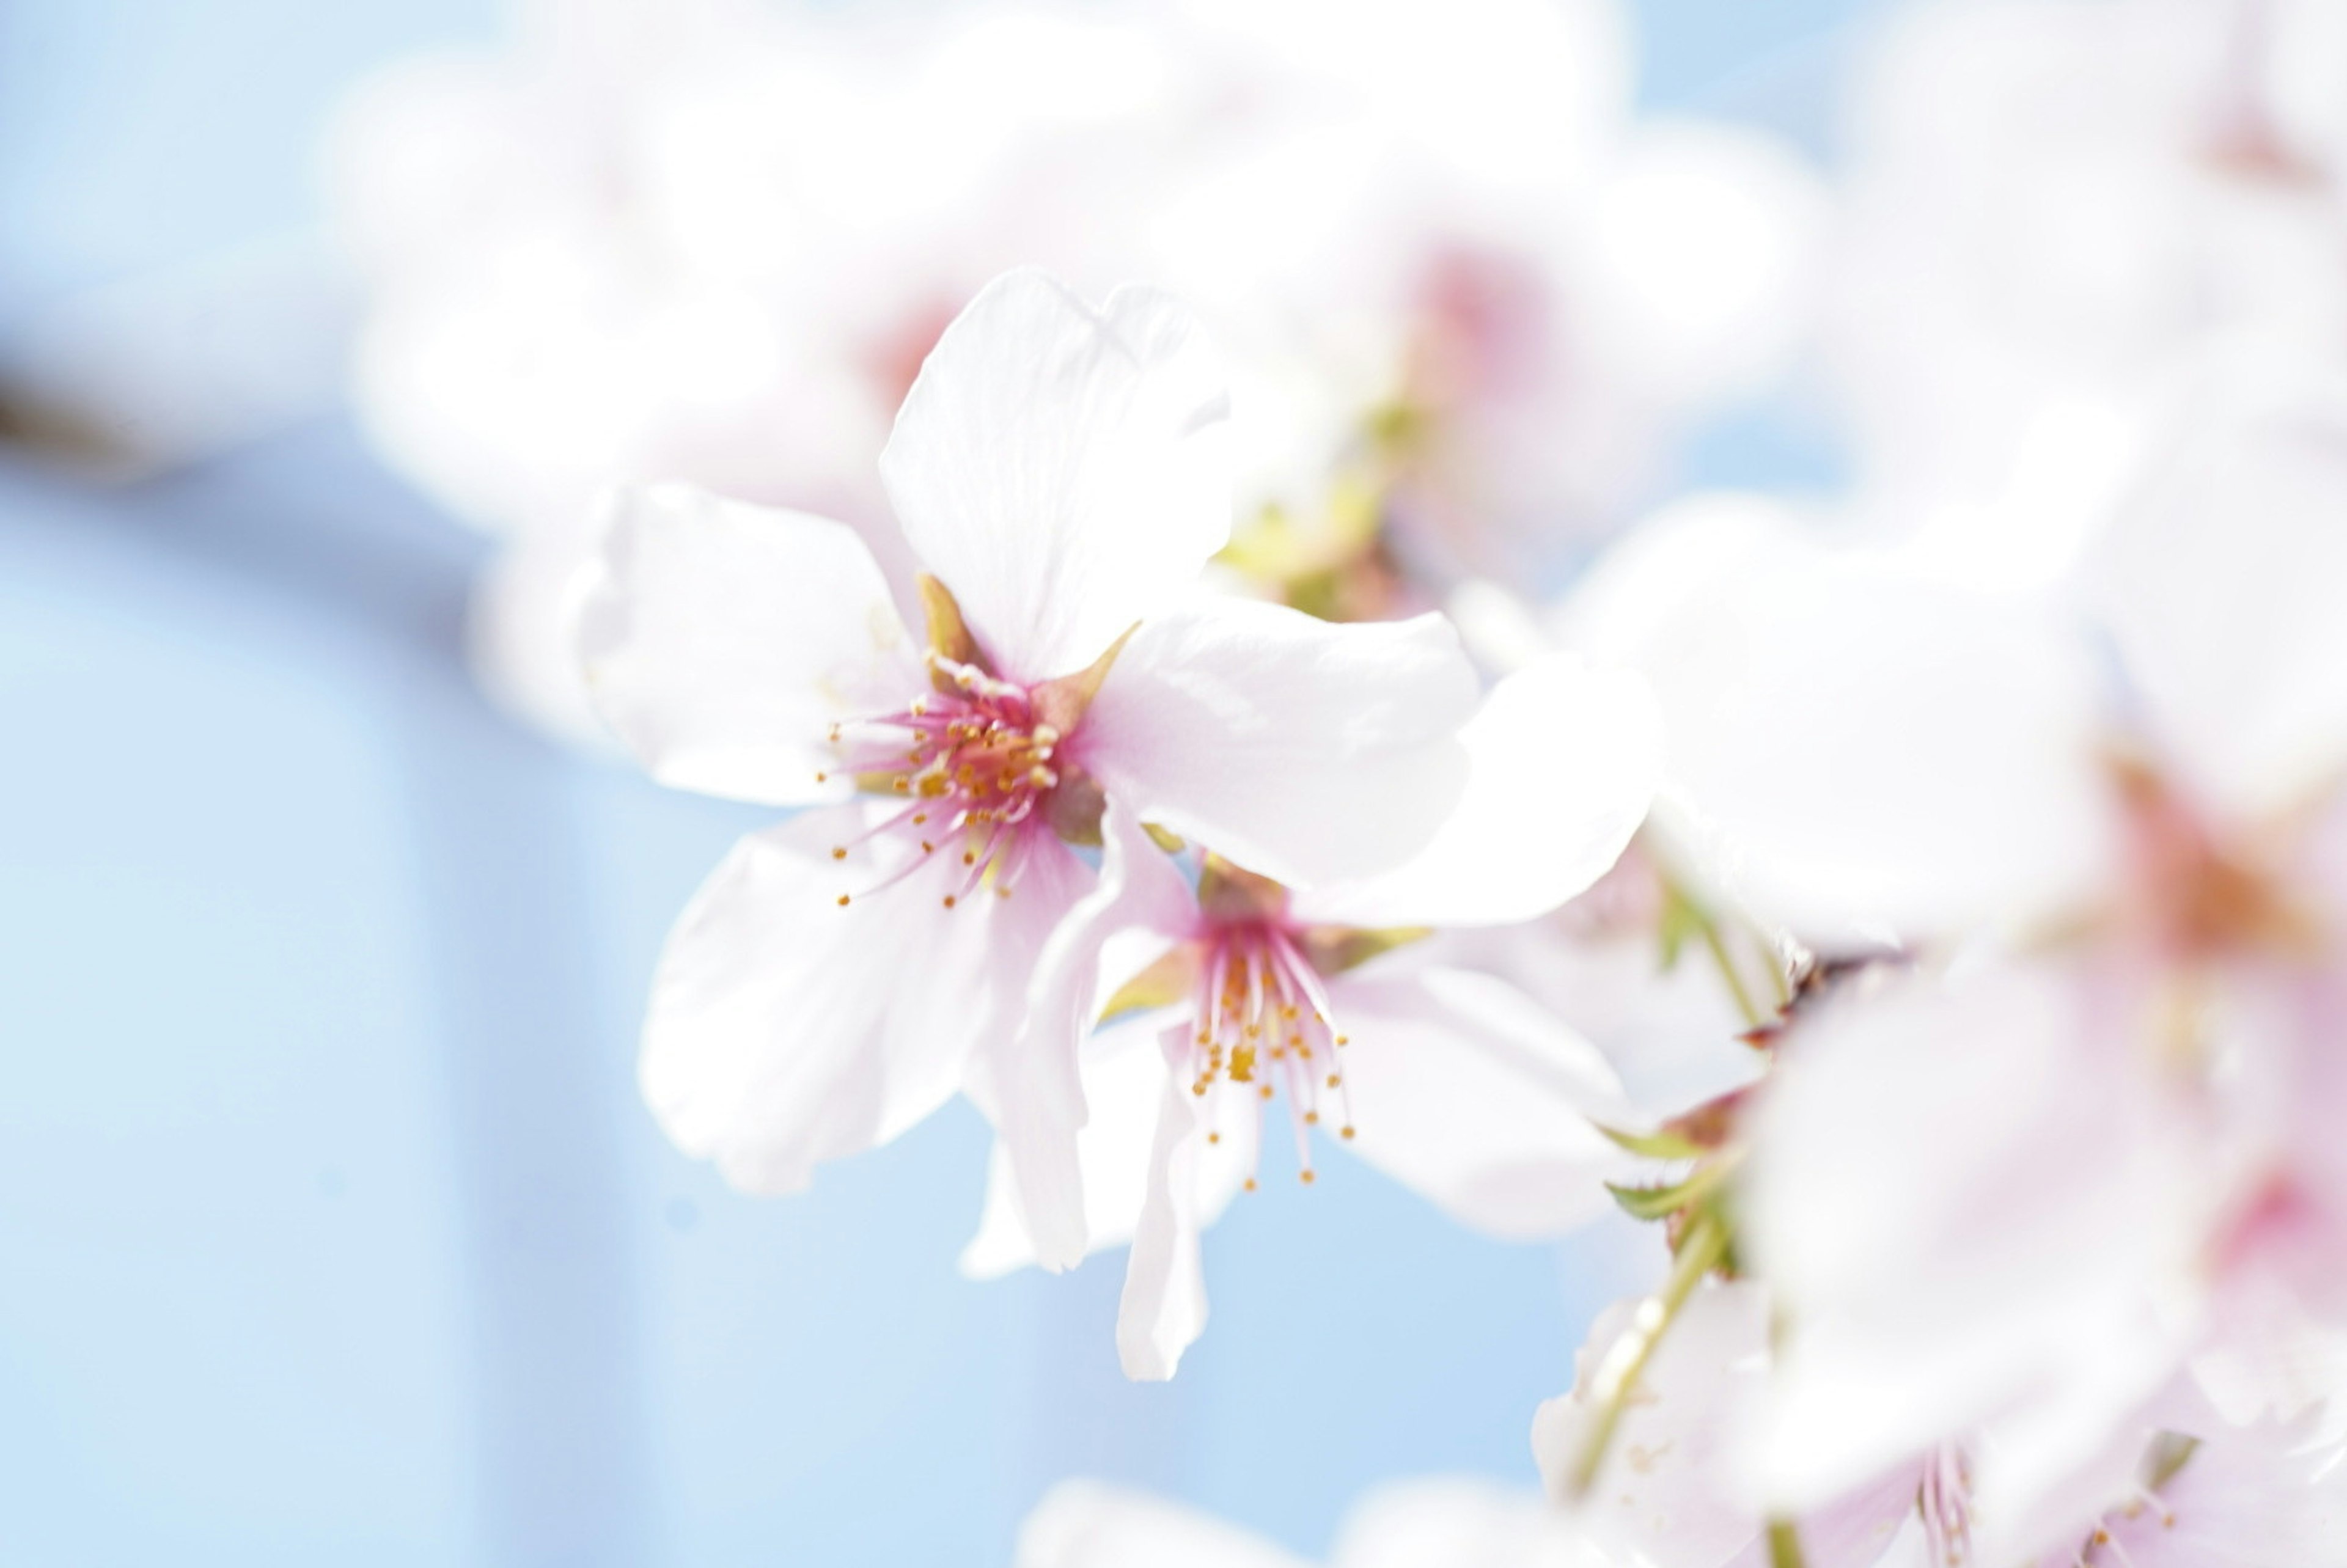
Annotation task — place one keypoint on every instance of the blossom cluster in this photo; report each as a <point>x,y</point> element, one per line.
<point>1260,696</point>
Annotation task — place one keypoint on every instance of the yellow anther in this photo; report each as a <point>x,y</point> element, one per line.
<point>823,778</point>
<point>927,848</point>
<point>949,900</point>
<point>1197,1089</point>
<point>1267,1092</point>
<point>842,900</point>
<point>839,852</point>
<point>1214,1137</point>
<point>1312,1118</point>
<point>1341,1039</point>
<point>1334,1080</point>
<point>1306,1176</point>
<point>1250,1183</point>
<point>1344,1131</point>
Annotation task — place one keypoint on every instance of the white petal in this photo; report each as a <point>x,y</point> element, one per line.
<point>1124,1080</point>
<point>1091,1524</point>
<point>721,641</point>
<point>2262,1497</point>
<point>1063,470</point>
<point>520,634</point>
<point>1563,761</point>
<point>1301,750</point>
<point>2222,580</point>
<point>1467,1092</point>
<point>1039,1102</point>
<point>1968,1196</point>
<point>1163,1308</point>
<point>1702,247</point>
<point>785,1029</point>
<point>1857,751</point>
<point>1665,1491</point>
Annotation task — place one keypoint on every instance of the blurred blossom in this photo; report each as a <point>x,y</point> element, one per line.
<point>1430,1523</point>
<point>1465,297</point>
<point>2176,1485</point>
<point>2052,203</point>
<point>2069,1141</point>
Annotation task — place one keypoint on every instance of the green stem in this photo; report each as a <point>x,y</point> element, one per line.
<point>1700,1250</point>
<point>1717,948</point>
<point>1784,1544</point>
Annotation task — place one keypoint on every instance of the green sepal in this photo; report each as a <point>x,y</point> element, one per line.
<point>1660,1144</point>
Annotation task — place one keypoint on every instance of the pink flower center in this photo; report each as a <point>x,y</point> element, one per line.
<point>975,767</point>
<point>1260,1017</point>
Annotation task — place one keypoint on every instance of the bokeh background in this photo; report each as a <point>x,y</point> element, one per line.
<point>332,1228</point>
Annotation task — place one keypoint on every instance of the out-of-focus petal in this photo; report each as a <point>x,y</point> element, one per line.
<point>1856,750</point>
<point>786,1029</point>
<point>1032,1080</point>
<point>1303,751</point>
<point>2223,577</point>
<point>519,633</point>
<point>1666,1492</point>
<point>1968,1198</point>
<point>721,641</point>
<point>1063,470</point>
<point>1091,1524</point>
<point>1702,249</point>
<point>1563,761</point>
<point>1469,1093</point>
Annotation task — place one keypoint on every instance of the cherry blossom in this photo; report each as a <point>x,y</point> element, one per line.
<point>2178,1484</point>
<point>1243,990</point>
<point>2103,823</point>
<point>1058,473</point>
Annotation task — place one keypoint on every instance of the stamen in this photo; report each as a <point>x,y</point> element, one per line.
<point>974,752</point>
<point>1261,1020</point>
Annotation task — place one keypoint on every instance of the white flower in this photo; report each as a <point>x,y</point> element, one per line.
<point>2083,1146</point>
<point>1430,1523</point>
<point>1060,473</point>
<point>2174,1484</point>
<point>1449,1081</point>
